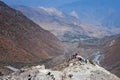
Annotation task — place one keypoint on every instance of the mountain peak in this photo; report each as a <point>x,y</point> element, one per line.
<point>74,14</point>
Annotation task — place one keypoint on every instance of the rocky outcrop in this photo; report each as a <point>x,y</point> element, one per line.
<point>74,70</point>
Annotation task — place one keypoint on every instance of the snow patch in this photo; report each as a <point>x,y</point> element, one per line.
<point>112,42</point>
<point>52,11</point>
<point>74,14</point>
<point>12,68</point>
<point>97,57</point>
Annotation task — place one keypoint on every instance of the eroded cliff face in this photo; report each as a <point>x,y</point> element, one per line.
<point>74,69</point>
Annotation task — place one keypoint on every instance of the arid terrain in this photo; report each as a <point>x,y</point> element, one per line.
<point>47,36</point>
<point>23,41</point>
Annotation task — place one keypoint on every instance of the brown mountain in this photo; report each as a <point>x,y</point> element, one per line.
<point>111,54</point>
<point>21,40</point>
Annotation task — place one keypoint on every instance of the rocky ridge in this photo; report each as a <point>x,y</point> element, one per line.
<point>74,70</point>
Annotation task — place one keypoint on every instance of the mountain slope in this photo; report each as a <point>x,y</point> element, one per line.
<point>21,40</point>
<point>111,54</point>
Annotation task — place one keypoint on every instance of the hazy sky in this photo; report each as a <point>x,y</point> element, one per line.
<point>59,3</point>
<point>52,3</point>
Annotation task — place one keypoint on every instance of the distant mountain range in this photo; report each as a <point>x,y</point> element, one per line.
<point>96,12</point>
<point>67,27</point>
